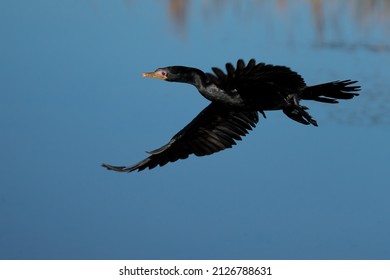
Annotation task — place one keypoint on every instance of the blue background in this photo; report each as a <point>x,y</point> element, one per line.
<point>72,97</point>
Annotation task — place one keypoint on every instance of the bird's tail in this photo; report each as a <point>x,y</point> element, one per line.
<point>327,93</point>
<point>330,92</point>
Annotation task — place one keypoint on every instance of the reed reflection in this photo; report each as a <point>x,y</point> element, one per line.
<point>367,18</point>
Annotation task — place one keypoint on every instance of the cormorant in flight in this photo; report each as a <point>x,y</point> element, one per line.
<point>236,99</point>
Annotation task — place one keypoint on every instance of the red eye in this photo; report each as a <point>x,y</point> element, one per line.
<point>163,73</point>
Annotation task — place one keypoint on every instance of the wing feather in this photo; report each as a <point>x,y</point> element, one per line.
<point>215,128</point>
<point>257,79</point>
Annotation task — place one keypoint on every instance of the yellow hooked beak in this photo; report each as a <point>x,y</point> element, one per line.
<point>158,74</point>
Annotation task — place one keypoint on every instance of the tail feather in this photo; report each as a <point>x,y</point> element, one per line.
<point>326,93</point>
<point>330,92</point>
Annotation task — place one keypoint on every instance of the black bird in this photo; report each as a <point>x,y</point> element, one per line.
<point>236,99</point>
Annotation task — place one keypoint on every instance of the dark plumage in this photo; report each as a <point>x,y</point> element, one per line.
<point>236,99</point>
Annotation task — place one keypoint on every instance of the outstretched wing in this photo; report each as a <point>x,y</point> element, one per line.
<point>216,128</point>
<point>262,84</point>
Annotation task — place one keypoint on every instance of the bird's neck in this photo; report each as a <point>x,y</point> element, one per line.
<point>213,93</point>
<point>210,91</point>
<point>197,78</point>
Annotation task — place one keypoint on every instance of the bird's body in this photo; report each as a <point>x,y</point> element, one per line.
<point>236,99</point>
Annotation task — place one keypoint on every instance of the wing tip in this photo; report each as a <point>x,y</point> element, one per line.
<point>143,164</point>
<point>118,168</point>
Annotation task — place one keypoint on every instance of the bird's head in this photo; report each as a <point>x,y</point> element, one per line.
<point>180,74</point>
<point>160,73</point>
